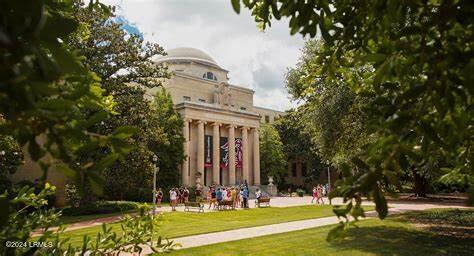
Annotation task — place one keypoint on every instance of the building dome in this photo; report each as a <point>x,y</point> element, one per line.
<point>187,54</point>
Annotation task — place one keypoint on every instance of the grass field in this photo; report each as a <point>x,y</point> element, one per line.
<point>393,236</point>
<point>178,224</point>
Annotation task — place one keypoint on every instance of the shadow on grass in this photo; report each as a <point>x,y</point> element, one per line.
<point>388,240</point>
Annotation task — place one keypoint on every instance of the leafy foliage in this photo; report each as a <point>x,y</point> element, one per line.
<point>124,62</point>
<point>27,213</point>
<point>420,58</point>
<point>11,157</point>
<point>272,157</point>
<point>170,151</point>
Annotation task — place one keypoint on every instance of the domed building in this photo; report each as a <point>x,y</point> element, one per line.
<point>221,123</point>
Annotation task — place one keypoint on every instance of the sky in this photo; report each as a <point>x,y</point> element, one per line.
<point>256,60</point>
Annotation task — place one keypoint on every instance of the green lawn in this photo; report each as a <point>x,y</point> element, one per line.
<point>394,236</point>
<point>178,224</point>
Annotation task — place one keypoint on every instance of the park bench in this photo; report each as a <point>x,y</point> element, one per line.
<point>193,205</point>
<point>223,205</point>
<point>262,200</point>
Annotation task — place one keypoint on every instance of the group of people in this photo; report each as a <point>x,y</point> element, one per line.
<point>239,196</point>
<point>177,196</point>
<point>319,192</point>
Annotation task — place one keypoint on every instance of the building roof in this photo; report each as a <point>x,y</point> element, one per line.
<point>188,54</point>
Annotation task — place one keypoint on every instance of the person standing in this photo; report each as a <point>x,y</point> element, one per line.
<point>315,195</point>
<point>173,198</point>
<point>241,197</point>
<point>319,190</point>
<point>233,196</point>
<point>159,197</point>
<point>185,195</point>
<point>246,197</point>
<point>198,194</point>
<point>219,195</point>
<point>212,202</point>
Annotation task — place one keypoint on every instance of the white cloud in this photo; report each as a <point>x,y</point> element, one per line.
<point>256,60</point>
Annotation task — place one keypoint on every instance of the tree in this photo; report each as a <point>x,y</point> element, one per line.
<point>124,63</point>
<point>422,68</point>
<point>49,102</point>
<point>294,131</point>
<point>170,152</point>
<point>272,158</point>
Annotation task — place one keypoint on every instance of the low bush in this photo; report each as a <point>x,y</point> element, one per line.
<point>300,192</point>
<point>101,207</point>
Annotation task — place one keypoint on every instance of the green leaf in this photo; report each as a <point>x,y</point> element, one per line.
<point>236,5</point>
<point>124,132</point>
<point>64,169</point>
<point>106,161</point>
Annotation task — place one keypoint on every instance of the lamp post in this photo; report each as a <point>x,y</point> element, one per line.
<point>155,159</point>
<point>329,177</point>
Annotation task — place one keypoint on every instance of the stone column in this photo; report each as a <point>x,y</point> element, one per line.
<point>215,153</point>
<point>245,155</point>
<point>256,157</point>
<point>200,150</point>
<point>231,166</point>
<point>185,167</point>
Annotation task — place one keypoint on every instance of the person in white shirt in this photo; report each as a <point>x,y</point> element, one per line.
<point>173,198</point>
<point>224,194</point>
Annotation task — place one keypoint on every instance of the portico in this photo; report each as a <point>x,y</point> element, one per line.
<point>210,146</point>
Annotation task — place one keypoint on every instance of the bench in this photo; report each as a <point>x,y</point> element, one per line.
<point>262,200</point>
<point>223,205</point>
<point>193,205</point>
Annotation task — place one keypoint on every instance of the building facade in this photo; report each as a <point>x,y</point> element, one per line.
<point>220,121</point>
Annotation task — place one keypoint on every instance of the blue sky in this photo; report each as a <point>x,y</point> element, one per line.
<point>255,59</point>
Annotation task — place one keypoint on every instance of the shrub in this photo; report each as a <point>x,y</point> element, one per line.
<point>101,207</point>
<point>300,192</point>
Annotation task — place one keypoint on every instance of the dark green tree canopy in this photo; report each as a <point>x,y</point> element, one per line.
<point>421,62</point>
<point>272,157</point>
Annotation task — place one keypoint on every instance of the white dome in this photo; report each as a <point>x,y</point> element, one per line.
<point>187,54</point>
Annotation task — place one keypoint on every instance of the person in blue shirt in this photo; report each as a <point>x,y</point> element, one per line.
<point>219,195</point>
<point>246,197</point>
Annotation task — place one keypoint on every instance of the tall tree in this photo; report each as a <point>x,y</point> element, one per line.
<point>124,63</point>
<point>170,151</point>
<point>421,56</point>
<point>294,130</point>
<point>272,158</point>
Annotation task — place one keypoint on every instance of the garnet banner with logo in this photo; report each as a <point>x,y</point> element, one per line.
<point>224,152</point>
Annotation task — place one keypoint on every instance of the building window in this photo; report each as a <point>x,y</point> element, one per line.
<point>202,100</point>
<point>304,170</point>
<point>209,76</point>
<point>186,98</point>
<point>243,108</point>
<point>293,169</point>
<point>267,119</point>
